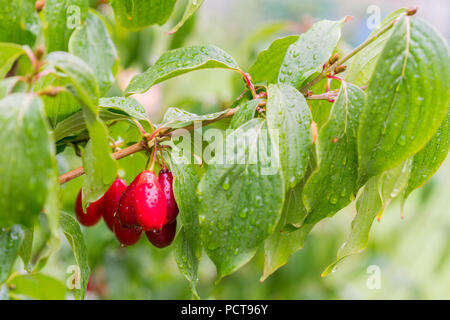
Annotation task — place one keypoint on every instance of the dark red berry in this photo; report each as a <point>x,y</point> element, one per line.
<point>126,212</point>
<point>110,202</point>
<point>127,236</point>
<point>93,213</point>
<point>166,182</point>
<point>163,238</point>
<point>149,202</point>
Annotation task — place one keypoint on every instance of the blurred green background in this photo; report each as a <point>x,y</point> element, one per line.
<point>413,254</point>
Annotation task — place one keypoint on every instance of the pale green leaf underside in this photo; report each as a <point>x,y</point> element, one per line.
<point>191,8</point>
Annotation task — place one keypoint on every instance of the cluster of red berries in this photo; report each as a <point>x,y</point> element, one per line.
<point>147,204</point>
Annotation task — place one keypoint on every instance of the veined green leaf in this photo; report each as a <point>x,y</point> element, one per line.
<point>363,64</point>
<point>306,57</point>
<point>268,63</point>
<point>19,22</point>
<point>10,241</point>
<point>100,167</point>
<point>61,106</point>
<point>178,118</point>
<point>26,248</point>
<point>332,186</point>
<point>282,244</point>
<point>191,8</point>
<point>187,260</point>
<point>9,53</point>
<point>80,75</point>
<point>92,43</point>
<point>407,98</point>
<point>241,196</point>
<point>61,18</point>
<point>75,238</point>
<point>138,14</point>
<point>37,286</point>
<point>27,168</point>
<point>245,113</point>
<point>186,179</point>
<point>289,122</point>
<point>428,160</point>
<point>375,197</point>
<point>179,61</point>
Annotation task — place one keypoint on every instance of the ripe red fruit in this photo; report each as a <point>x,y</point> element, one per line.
<point>164,237</point>
<point>166,182</point>
<point>93,213</point>
<point>111,199</point>
<point>126,212</point>
<point>149,202</point>
<point>127,236</point>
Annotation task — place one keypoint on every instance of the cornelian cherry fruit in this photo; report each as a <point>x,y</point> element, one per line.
<point>166,182</point>
<point>127,236</point>
<point>126,212</point>
<point>93,213</point>
<point>110,202</point>
<point>164,237</point>
<point>149,202</point>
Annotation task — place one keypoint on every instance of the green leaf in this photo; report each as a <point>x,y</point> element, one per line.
<point>407,97</point>
<point>186,179</point>
<point>428,160</point>
<point>26,248</point>
<point>92,43</point>
<point>241,197</point>
<point>127,106</point>
<point>27,168</point>
<point>9,53</point>
<point>4,292</point>
<point>268,63</point>
<point>363,64</point>
<point>110,109</point>
<point>282,244</point>
<point>332,186</point>
<point>37,286</point>
<point>306,57</point>
<point>187,261</point>
<point>320,109</point>
<point>10,241</point>
<point>80,75</point>
<point>289,122</point>
<point>138,14</point>
<point>179,61</point>
<point>19,22</point>
<point>375,197</point>
<point>63,105</point>
<point>61,18</point>
<point>7,86</point>
<point>179,118</point>
<point>100,167</point>
<point>75,238</point>
<point>245,113</point>
<point>191,8</point>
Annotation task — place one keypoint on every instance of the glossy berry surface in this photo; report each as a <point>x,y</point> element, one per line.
<point>164,237</point>
<point>149,202</point>
<point>110,202</point>
<point>166,182</point>
<point>127,236</point>
<point>93,213</point>
<point>126,212</point>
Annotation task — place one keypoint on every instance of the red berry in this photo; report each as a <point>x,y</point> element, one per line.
<point>164,237</point>
<point>93,213</point>
<point>126,212</point>
<point>126,235</point>
<point>111,199</point>
<point>149,202</point>
<point>166,182</point>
